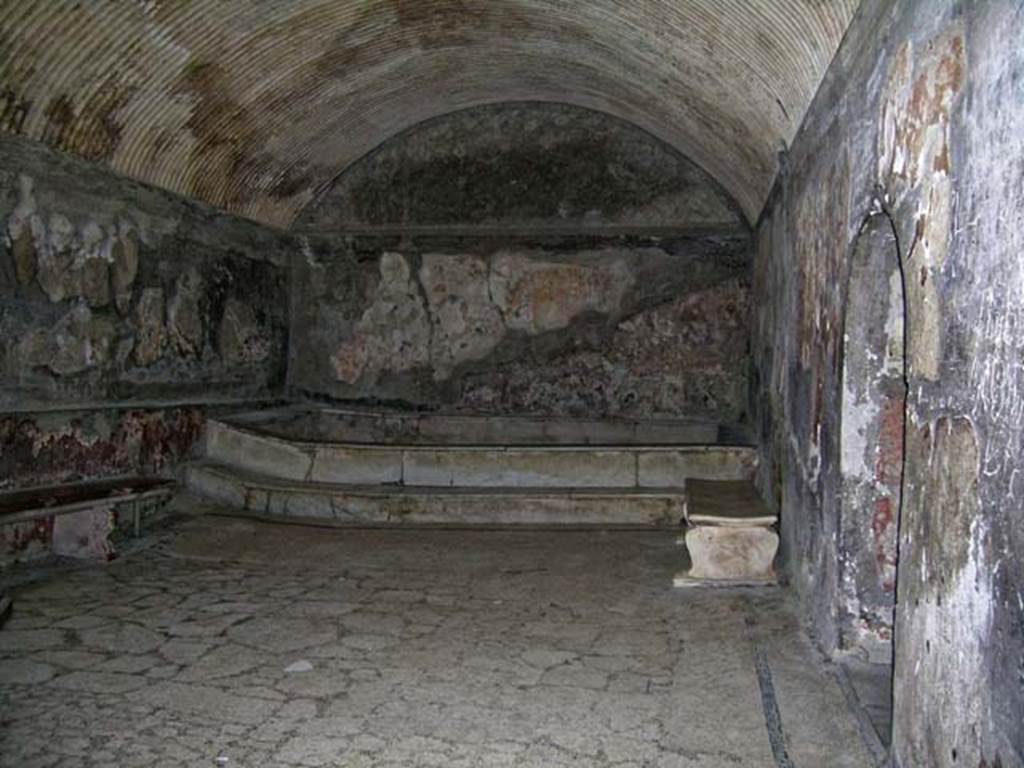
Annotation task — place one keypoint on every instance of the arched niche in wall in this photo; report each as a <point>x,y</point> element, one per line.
<point>526,257</point>
<point>522,166</point>
<point>872,439</point>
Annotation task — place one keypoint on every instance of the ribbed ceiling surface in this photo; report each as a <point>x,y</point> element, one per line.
<point>253,105</point>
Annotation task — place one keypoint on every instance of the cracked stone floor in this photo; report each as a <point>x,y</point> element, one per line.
<point>233,642</point>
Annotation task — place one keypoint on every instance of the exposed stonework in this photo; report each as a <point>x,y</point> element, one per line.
<point>76,342</point>
<point>22,542</point>
<point>538,297</point>
<point>392,334</point>
<point>503,328</point>
<point>150,331</point>
<point>125,266</point>
<point>241,338</point>
<point>114,291</point>
<point>490,260</point>
<point>467,318</point>
<point>23,250</point>
<point>184,315</point>
<point>471,304</point>
<point>686,357</point>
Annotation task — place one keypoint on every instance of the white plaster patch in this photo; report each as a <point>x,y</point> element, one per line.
<point>894,327</point>
<point>393,333</point>
<point>956,635</point>
<point>857,415</point>
<point>465,323</point>
<point>993,207</point>
<point>307,252</point>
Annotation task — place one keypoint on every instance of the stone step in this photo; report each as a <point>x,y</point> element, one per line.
<point>360,425</point>
<point>478,466</point>
<point>384,505</point>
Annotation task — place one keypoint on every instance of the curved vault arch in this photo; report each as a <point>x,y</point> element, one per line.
<point>522,165</point>
<point>253,105</point>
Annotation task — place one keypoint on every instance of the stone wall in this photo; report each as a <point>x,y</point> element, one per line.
<point>911,146</point>
<point>63,446</point>
<point>637,328</point>
<point>113,291</point>
<point>525,257</point>
<point>130,300</point>
<point>685,357</point>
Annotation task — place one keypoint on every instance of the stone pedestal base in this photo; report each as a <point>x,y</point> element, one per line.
<point>729,555</point>
<point>84,535</point>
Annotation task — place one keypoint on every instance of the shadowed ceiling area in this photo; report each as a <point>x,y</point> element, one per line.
<point>255,105</point>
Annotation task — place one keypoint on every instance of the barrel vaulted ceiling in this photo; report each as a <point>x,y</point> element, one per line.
<point>255,105</point>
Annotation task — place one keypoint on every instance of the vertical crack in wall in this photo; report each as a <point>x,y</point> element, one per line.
<point>880,201</point>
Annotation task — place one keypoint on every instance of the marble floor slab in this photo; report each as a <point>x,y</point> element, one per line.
<point>238,643</point>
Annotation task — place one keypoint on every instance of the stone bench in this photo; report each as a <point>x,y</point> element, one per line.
<point>81,516</point>
<point>454,470</point>
<point>730,535</point>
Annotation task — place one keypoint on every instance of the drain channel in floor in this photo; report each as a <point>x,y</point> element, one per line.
<point>772,719</point>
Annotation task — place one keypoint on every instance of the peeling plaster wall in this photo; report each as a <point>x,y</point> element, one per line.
<point>687,357</point>
<point>120,297</point>
<point>922,105</point>
<point>66,446</point>
<point>525,257</point>
<point>48,448</point>
<point>635,328</point>
<point>873,397</point>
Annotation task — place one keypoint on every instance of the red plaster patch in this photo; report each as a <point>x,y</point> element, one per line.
<point>890,443</point>
<point>881,524</point>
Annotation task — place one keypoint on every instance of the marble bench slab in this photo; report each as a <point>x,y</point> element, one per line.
<point>730,537</point>
<point>733,503</point>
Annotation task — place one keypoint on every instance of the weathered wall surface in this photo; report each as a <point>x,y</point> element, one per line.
<point>113,291</point>
<point>685,357</point>
<point>50,448</point>
<point>638,328</point>
<point>522,164</point>
<point>127,300</point>
<point>872,400</point>
<point>919,115</point>
<point>63,446</point>
<point>525,257</point>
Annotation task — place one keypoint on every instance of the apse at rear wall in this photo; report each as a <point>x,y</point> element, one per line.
<point>525,257</point>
